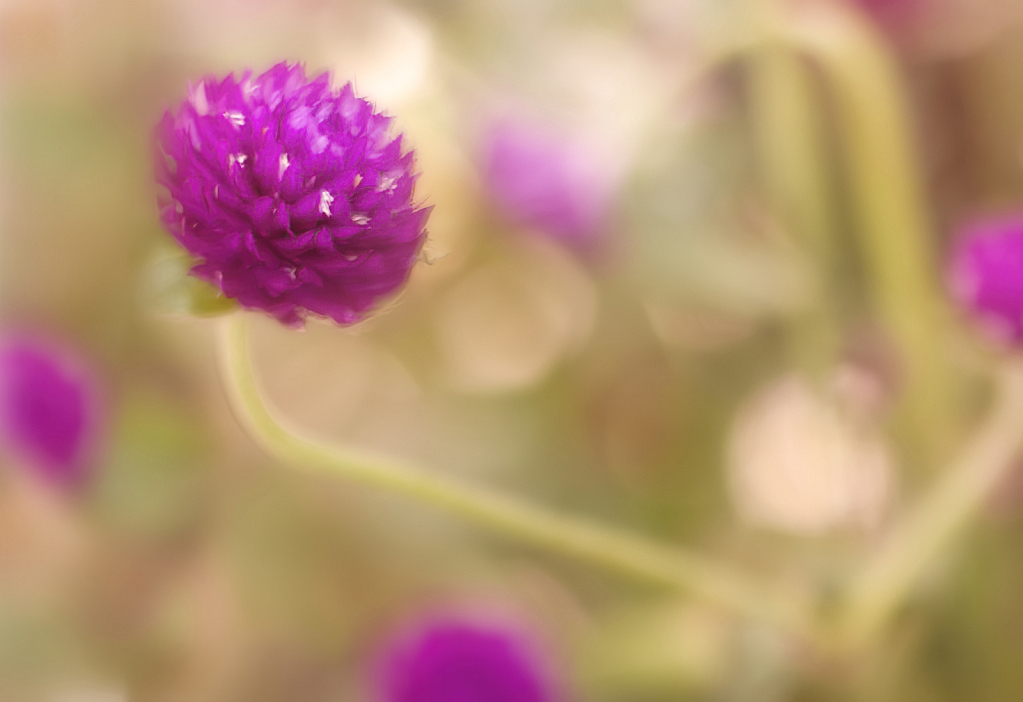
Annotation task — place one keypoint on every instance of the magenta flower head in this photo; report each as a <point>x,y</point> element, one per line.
<point>292,196</point>
<point>49,408</point>
<point>549,181</point>
<point>454,660</point>
<point>986,276</point>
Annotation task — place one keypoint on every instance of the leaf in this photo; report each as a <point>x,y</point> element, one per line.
<point>169,288</point>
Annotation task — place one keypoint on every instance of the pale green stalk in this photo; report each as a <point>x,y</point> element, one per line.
<point>914,545</point>
<point>787,118</point>
<point>889,204</point>
<point>589,541</point>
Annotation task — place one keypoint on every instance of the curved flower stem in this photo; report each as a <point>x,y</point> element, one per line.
<point>788,123</point>
<point>888,199</point>
<point>589,541</point>
<point>914,545</point>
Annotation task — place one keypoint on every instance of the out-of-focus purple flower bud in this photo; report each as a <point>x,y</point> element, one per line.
<point>891,14</point>
<point>293,196</point>
<point>550,181</point>
<point>454,660</point>
<point>50,407</point>
<point>986,276</point>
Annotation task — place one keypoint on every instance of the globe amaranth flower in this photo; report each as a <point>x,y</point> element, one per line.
<point>986,276</point>
<point>49,407</point>
<point>452,660</point>
<point>293,197</point>
<point>550,181</point>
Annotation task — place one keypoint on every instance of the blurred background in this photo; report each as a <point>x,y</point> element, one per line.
<point>654,292</point>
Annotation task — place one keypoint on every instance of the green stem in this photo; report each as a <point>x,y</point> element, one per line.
<point>628,554</point>
<point>787,120</point>
<point>921,537</point>
<point>888,200</point>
